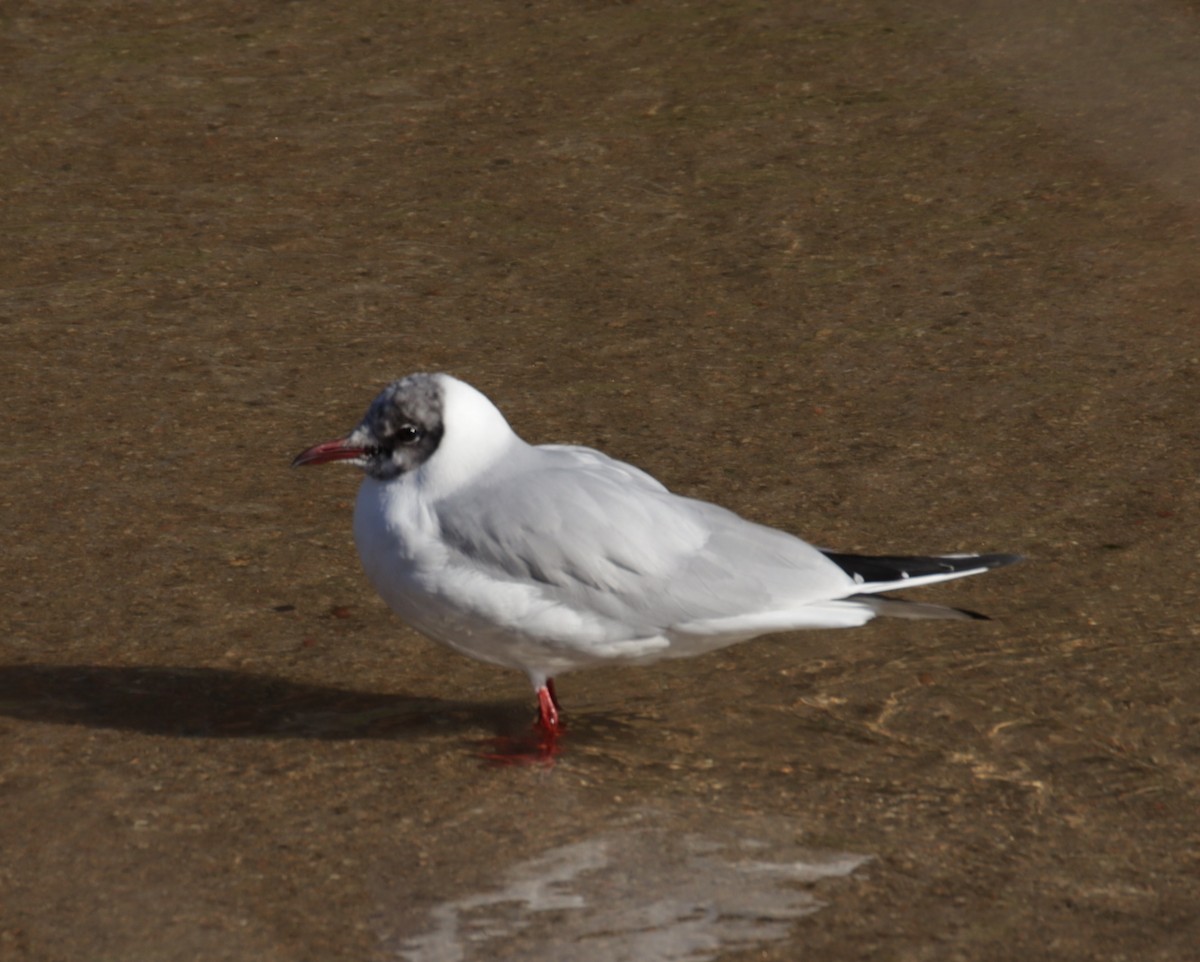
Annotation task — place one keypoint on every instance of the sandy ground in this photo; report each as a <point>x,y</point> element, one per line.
<point>895,278</point>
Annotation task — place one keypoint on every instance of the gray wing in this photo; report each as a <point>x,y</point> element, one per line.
<point>603,537</point>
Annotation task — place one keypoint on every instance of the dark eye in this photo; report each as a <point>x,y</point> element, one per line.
<point>408,434</point>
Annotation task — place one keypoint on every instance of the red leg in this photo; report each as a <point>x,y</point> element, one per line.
<point>549,711</point>
<point>541,745</point>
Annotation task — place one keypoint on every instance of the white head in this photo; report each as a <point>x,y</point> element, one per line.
<point>433,426</point>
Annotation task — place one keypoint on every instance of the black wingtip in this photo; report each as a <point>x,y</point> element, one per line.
<point>880,568</point>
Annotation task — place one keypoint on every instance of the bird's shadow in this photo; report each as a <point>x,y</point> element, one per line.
<point>219,703</point>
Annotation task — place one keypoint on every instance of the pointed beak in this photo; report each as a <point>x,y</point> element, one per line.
<point>337,450</point>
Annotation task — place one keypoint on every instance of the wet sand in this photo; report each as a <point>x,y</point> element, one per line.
<point>895,279</point>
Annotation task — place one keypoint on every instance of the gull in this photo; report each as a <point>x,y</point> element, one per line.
<point>551,558</point>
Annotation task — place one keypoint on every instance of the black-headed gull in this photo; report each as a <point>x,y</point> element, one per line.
<point>552,558</point>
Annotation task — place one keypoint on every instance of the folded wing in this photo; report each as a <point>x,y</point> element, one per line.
<point>612,542</point>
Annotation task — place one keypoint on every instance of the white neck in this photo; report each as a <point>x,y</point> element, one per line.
<point>476,436</point>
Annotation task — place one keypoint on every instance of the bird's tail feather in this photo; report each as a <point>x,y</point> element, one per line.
<point>900,608</point>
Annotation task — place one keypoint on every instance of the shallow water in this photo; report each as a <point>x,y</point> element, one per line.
<point>896,280</point>
<point>638,891</point>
